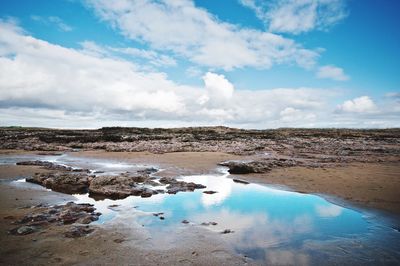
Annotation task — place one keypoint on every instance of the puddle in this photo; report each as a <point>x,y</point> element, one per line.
<point>268,224</point>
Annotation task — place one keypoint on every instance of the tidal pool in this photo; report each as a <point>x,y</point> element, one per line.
<point>269,225</point>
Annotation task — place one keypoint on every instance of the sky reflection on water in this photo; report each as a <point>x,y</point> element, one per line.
<point>271,225</point>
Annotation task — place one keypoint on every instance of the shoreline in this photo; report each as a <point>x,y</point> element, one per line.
<point>373,189</point>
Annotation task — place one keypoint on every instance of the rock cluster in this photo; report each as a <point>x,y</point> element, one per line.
<point>259,166</point>
<point>52,166</point>
<point>341,145</point>
<point>174,186</point>
<point>119,187</point>
<point>65,182</point>
<point>43,217</point>
<point>114,187</point>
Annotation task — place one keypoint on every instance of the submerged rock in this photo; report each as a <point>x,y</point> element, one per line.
<point>70,183</point>
<point>210,192</point>
<point>237,180</point>
<point>44,217</point>
<point>175,186</point>
<point>209,223</point>
<point>78,231</point>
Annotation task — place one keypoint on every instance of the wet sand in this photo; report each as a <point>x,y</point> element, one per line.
<point>362,184</point>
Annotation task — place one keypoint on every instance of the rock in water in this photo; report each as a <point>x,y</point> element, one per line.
<point>210,192</point>
<point>70,183</point>
<point>237,180</point>
<point>119,187</point>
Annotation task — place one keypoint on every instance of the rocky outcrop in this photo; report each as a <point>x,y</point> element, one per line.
<point>44,217</point>
<point>70,183</point>
<point>119,187</point>
<point>115,187</point>
<point>175,186</point>
<point>52,166</point>
<point>260,166</point>
<point>342,145</point>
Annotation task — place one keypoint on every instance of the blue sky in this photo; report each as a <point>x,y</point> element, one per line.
<point>242,63</point>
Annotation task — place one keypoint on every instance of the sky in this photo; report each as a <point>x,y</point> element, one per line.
<point>172,63</point>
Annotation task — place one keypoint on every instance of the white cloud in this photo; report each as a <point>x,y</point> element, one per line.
<point>290,115</point>
<point>363,104</point>
<point>332,72</point>
<point>219,89</point>
<point>297,16</point>
<point>53,20</point>
<point>195,34</point>
<point>193,71</point>
<point>149,57</point>
<point>43,84</point>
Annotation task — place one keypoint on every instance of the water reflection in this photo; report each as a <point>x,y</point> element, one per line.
<point>263,219</point>
<point>274,226</point>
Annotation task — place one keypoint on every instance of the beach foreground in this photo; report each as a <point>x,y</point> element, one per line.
<point>351,168</point>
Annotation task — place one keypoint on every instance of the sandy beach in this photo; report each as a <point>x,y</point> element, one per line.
<point>368,185</point>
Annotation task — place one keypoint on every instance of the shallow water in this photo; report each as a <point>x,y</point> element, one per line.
<point>268,224</point>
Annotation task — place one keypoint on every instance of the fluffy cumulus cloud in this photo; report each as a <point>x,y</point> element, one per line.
<point>332,72</point>
<point>193,33</point>
<point>363,104</point>
<point>43,84</point>
<point>298,16</point>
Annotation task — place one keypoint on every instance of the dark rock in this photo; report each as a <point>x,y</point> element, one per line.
<point>241,181</point>
<point>151,183</point>
<point>210,192</point>
<point>245,167</point>
<point>181,186</point>
<point>52,166</point>
<point>147,193</point>
<point>227,231</point>
<point>261,166</point>
<point>185,221</point>
<point>98,172</point>
<point>63,214</point>
<point>117,187</point>
<point>209,223</point>
<point>70,183</point>
<point>148,171</point>
<point>167,180</point>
